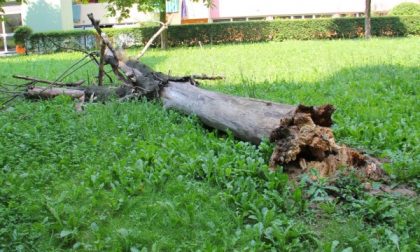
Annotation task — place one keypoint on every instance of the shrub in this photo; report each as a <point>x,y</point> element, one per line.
<point>47,42</point>
<point>406,9</point>
<point>22,34</point>
<point>304,29</point>
<point>233,32</point>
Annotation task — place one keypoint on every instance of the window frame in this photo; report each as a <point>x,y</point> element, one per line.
<point>7,36</point>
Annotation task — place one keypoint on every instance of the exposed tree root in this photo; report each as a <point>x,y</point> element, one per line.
<point>305,140</point>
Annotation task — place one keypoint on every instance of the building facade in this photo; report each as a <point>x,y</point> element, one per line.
<point>242,10</point>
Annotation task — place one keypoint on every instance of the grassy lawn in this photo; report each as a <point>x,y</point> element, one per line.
<point>131,176</point>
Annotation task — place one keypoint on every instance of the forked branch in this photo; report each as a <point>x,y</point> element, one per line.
<point>163,27</point>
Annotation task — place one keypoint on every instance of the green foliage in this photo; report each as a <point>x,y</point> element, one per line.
<point>48,42</point>
<point>256,31</point>
<point>22,35</point>
<point>132,176</point>
<point>406,9</point>
<point>232,32</point>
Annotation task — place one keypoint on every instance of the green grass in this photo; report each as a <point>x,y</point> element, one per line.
<point>131,176</point>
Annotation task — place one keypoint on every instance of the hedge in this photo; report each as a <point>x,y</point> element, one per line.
<point>231,32</point>
<point>303,29</point>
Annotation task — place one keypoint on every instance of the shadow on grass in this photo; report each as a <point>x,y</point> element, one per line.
<point>377,107</point>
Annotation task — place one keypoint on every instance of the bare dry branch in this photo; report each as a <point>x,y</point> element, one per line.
<point>75,84</point>
<point>149,43</point>
<point>101,64</point>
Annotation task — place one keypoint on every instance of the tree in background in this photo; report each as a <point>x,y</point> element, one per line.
<point>406,9</point>
<point>123,7</point>
<point>368,27</point>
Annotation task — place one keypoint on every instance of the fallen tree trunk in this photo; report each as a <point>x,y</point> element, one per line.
<point>248,119</point>
<point>302,135</point>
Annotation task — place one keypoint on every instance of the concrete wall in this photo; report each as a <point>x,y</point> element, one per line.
<point>48,15</point>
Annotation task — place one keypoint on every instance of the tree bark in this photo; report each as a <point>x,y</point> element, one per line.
<point>368,32</point>
<point>249,119</point>
<point>101,64</point>
<point>164,34</point>
<point>50,92</point>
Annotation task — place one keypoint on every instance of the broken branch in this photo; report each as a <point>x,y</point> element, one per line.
<point>206,77</point>
<point>152,39</point>
<point>74,84</point>
<point>101,64</point>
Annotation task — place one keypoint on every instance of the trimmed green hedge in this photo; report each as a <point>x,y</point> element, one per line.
<point>231,32</point>
<point>304,29</point>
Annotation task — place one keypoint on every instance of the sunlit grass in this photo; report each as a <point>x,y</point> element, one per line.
<point>127,176</point>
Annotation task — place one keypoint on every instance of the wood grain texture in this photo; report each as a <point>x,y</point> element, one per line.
<point>248,119</point>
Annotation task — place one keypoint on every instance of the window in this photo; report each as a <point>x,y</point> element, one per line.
<point>256,18</point>
<point>239,19</point>
<point>8,25</point>
<point>11,22</point>
<point>1,44</point>
<point>221,20</point>
<point>11,2</point>
<point>10,43</point>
